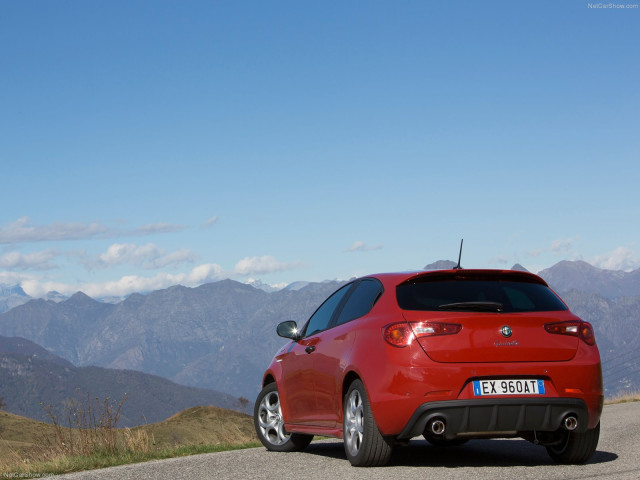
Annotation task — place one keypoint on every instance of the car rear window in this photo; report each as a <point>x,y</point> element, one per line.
<point>477,295</point>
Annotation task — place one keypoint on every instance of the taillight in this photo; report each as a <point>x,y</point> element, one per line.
<point>431,329</point>
<point>397,334</point>
<point>587,334</point>
<point>401,334</point>
<point>575,328</point>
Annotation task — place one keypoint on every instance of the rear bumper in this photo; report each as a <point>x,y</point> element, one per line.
<point>495,416</point>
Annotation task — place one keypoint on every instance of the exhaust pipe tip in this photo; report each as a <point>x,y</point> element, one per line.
<point>570,423</point>
<point>437,426</point>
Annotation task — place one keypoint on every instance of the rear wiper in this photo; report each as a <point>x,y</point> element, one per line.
<point>482,306</point>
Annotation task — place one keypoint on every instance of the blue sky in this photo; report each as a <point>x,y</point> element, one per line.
<point>150,143</point>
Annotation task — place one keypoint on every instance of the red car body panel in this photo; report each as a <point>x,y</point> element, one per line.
<point>399,380</point>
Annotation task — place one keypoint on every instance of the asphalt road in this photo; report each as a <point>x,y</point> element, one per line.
<point>617,457</point>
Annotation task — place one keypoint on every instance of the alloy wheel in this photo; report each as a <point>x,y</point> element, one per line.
<point>270,419</point>
<point>354,422</point>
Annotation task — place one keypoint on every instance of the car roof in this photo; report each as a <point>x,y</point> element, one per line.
<point>396,278</point>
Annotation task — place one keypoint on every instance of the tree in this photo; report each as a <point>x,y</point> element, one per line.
<point>3,405</point>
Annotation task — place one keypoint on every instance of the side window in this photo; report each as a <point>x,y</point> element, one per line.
<point>320,320</point>
<point>361,301</point>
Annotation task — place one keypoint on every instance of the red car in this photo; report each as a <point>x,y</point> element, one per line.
<point>451,355</point>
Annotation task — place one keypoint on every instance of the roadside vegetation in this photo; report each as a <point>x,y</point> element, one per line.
<point>87,437</point>
<point>623,397</point>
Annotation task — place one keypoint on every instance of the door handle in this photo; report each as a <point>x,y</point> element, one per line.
<point>310,349</point>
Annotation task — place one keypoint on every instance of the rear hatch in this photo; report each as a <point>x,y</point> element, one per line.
<point>485,316</point>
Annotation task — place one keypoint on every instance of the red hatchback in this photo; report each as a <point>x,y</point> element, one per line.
<point>451,355</point>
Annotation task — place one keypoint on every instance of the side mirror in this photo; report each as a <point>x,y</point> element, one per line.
<point>288,329</point>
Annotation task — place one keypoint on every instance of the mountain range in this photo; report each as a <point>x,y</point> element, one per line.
<point>31,378</point>
<point>610,301</point>
<point>567,275</point>
<point>217,336</point>
<point>221,335</point>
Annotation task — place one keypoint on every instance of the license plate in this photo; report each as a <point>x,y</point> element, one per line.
<point>508,387</point>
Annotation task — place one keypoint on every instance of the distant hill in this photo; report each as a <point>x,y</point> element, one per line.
<point>218,336</point>
<point>12,297</point>
<point>25,347</point>
<point>440,265</point>
<point>55,297</point>
<point>566,276</point>
<point>30,376</point>
<point>264,286</point>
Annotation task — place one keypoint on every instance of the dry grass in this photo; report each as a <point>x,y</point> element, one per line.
<point>91,439</point>
<point>91,428</point>
<point>203,426</point>
<point>137,440</point>
<point>18,435</point>
<point>623,397</point>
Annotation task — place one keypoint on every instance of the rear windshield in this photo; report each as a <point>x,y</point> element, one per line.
<point>477,295</point>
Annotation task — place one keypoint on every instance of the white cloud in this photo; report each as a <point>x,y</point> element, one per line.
<point>360,246</point>
<point>13,278</point>
<point>148,257</point>
<point>117,254</point>
<point>622,258</point>
<point>125,285</point>
<point>204,273</point>
<point>184,255</point>
<point>208,272</point>
<point>561,246</point>
<point>23,231</point>
<point>212,221</point>
<point>153,228</point>
<point>29,261</point>
<point>264,264</point>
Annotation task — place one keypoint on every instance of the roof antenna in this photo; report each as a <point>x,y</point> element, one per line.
<point>458,267</point>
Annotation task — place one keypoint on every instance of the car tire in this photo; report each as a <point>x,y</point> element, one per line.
<point>575,447</point>
<point>269,424</point>
<point>363,443</point>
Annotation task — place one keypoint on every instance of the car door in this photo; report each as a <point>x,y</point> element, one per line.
<point>333,347</point>
<point>298,369</point>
